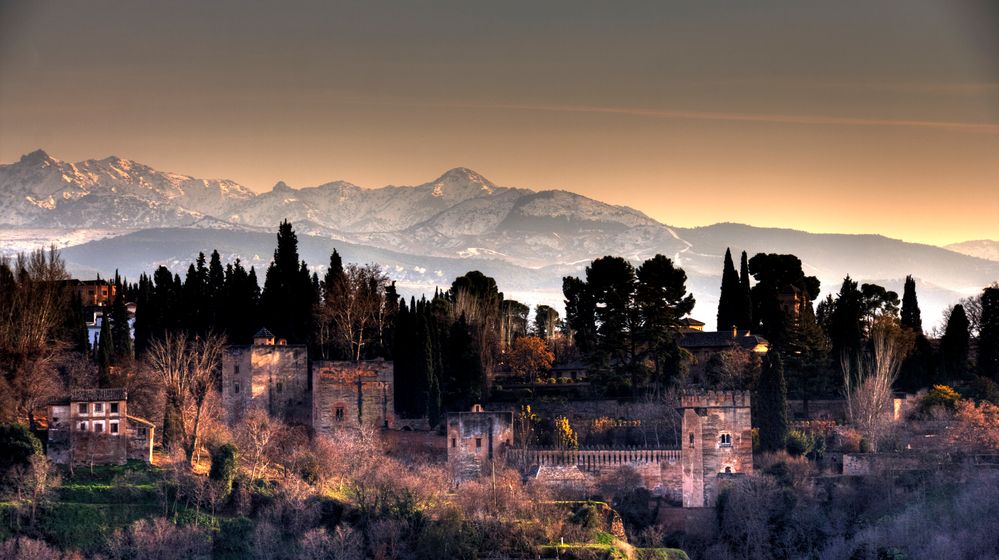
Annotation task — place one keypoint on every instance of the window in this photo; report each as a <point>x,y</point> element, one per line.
<point>83,426</point>
<point>726,440</point>
<point>280,386</point>
<point>114,408</point>
<point>114,427</point>
<point>235,368</point>
<point>235,387</point>
<point>339,414</point>
<point>478,443</point>
<point>98,408</point>
<point>99,427</point>
<point>691,439</point>
<point>728,470</point>
<point>454,443</point>
<point>142,431</point>
<point>81,408</point>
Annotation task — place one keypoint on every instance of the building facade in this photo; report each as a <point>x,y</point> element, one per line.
<point>352,394</point>
<point>478,437</point>
<point>92,426</point>
<point>269,374</point>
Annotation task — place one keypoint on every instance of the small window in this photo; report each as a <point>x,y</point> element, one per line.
<point>83,426</point>
<point>98,408</point>
<point>142,431</point>
<point>728,470</point>
<point>235,387</point>
<point>98,428</point>
<point>454,443</point>
<point>478,443</point>
<point>114,427</point>
<point>81,408</point>
<point>339,414</point>
<point>726,440</point>
<point>280,386</point>
<point>114,408</point>
<point>235,368</point>
<point>691,439</point>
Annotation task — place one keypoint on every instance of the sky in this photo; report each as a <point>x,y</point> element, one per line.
<point>848,116</point>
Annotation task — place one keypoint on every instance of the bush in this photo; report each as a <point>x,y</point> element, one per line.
<point>17,445</point>
<point>940,397</point>
<point>807,443</point>
<point>984,389</point>
<point>225,460</point>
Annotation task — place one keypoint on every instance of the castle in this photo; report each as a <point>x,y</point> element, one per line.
<point>716,429</point>
<point>717,444</point>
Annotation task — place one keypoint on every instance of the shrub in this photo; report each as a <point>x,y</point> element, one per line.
<point>17,445</point>
<point>807,443</point>
<point>939,397</point>
<point>984,389</point>
<point>225,461</point>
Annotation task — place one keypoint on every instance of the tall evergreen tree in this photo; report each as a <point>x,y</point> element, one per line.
<point>288,294</point>
<point>988,335</point>
<point>105,350</point>
<point>846,320</point>
<point>121,332</point>
<point>729,301</point>
<point>911,318</point>
<point>463,375</point>
<point>771,404</point>
<point>662,300</point>
<point>745,317</point>
<point>955,344</point>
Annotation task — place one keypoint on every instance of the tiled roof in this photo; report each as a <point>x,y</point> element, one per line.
<point>720,339</point>
<point>115,394</point>
<point>264,333</point>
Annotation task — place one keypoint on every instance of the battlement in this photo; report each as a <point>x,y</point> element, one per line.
<point>715,399</point>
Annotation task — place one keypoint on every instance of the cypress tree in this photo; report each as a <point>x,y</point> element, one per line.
<point>105,349</point>
<point>771,404</point>
<point>288,294</point>
<point>729,299</point>
<point>955,344</point>
<point>988,335</point>
<point>911,317</point>
<point>121,332</point>
<point>432,388</point>
<point>745,316</point>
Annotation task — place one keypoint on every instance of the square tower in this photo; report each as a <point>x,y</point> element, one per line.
<point>717,442</point>
<point>270,374</point>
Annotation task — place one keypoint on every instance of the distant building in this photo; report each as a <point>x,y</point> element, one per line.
<point>689,324</point>
<point>476,438</point>
<point>351,394</point>
<point>704,344</point>
<point>717,443</point>
<point>92,426</point>
<point>270,374</point>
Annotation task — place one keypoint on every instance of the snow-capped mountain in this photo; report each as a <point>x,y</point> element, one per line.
<point>119,214</point>
<point>41,191</point>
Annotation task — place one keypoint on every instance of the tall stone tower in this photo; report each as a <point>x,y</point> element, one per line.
<point>717,443</point>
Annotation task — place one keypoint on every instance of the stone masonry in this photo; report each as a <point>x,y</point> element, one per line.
<point>351,394</point>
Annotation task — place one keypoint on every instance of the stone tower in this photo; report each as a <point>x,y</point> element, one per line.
<point>717,443</point>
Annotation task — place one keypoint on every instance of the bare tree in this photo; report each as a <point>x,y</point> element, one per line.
<point>256,436</point>
<point>187,370</point>
<point>33,300</point>
<point>353,307</point>
<point>868,380</point>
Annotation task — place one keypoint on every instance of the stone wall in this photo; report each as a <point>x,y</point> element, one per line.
<point>351,394</point>
<point>273,377</point>
<point>718,442</point>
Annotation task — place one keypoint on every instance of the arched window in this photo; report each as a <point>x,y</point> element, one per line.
<point>728,470</point>
<point>725,440</point>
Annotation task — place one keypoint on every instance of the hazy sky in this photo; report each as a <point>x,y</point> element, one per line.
<point>845,116</point>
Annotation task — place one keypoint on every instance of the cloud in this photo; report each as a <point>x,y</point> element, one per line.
<point>815,120</point>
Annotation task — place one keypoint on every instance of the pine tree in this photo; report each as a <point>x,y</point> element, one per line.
<point>955,344</point>
<point>771,404</point>
<point>988,335</point>
<point>911,317</point>
<point>745,316</point>
<point>729,300</point>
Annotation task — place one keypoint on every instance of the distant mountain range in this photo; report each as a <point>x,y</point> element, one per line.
<point>981,248</point>
<point>116,213</point>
